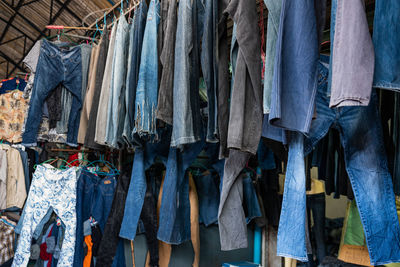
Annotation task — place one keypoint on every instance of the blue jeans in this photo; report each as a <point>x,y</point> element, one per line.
<point>174,224</point>
<point>250,201</point>
<point>274,14</point>
<point>366,164</point>
<point>387,44</point>
<point>55,65</point>
<point>295,71</point>
<point>132,76</point>
<point>94,199</point>
<point>147,88</point>
<point>208,192</point>
<point>144,158</point>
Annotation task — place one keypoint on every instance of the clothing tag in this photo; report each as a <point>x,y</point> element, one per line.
<point>107,182</point>
<point>58,222</point>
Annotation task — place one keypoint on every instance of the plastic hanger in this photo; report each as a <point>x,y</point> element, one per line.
<point>51,161</point>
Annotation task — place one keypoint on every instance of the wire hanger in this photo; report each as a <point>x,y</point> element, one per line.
<point>51,161</point>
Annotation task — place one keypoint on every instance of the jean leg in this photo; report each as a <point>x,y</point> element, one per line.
<point>108,245</point>
<point>231,217</point>
<point>366,164</point>
<point>291,233</point>
<point>135,197</point>
<point>317,206</point>
<point>149,218</point>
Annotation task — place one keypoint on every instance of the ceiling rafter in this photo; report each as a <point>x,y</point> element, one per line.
<point>12,40</point>
<point>10,21</point>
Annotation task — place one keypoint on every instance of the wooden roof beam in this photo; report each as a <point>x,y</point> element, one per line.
<point>10,21</point>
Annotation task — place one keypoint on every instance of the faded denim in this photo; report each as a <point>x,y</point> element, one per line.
<point>147,88</point>
<point>55,65</point>
<point>274,14</point>
<point>366,165</point>
<point>386,40</point>
<point>116,102</point>
<point>186,109</point>
<point>134,53</point>
<point>353,55</point>
<point>295,71</point>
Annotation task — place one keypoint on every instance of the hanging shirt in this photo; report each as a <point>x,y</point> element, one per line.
<point>3,179</point>
<point>12,111</point>
<point>16,191</point>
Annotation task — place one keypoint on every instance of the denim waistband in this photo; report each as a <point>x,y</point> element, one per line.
<point>59,48</point>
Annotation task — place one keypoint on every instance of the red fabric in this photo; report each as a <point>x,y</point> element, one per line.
<point>43,252</point>
<point>72,158</point>
<point>261,25</point>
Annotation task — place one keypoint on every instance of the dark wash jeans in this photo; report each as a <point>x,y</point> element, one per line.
<point>316,204</point>
<point>174,224</point>
<point>94,198</point>
<point>55,65</point>
<point>145,156</point>
<point>366,164</point>
<point>109,242</point>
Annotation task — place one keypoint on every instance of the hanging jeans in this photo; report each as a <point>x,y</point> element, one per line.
<point>132,76</point>
<point>186,109</point>
<point>147,88</point>
<point>109,242</point>
<point>174,227</point>
<point>55,65</point>
<point>50,188</point>
<point>116,102</point>
<point>366,164</point>
<point>386,40</point>
<point>144,158</point>
<point>94,199</point>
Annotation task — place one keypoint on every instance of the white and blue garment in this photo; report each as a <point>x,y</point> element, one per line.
<point>50,188</point>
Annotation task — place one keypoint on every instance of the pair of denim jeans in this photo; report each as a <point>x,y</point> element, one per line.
<point>109,243</point>
<point>116,102</point>
<point>145,156</point>
<point>208,19</point>
<point>94,199</point>
<point>101,119</point>
<point>274,13</point>
<point>55,65</point>
<point>387,44</point>
<point>366,164</point>
<point>132,76</point>
<point>352,55</point>
<point>295,70</point>
<point>147,86</point>
<point>186,106</point>
<point>167,59</point>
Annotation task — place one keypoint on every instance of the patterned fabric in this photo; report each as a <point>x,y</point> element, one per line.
<point>50,188</point>
<point>6,242</point>
<point>12,110</point>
